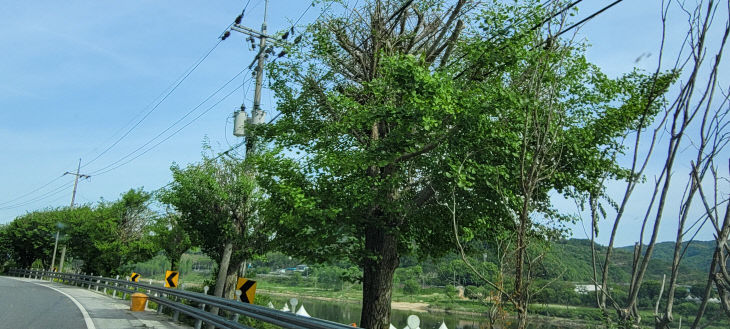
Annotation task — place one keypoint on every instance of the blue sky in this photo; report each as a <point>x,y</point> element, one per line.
<point>75,75</point>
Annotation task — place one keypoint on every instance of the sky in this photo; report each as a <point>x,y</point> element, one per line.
<point>83,80</point>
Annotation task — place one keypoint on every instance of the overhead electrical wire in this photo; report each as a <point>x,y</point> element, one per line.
<point>46,195</point>
<point>166,95</point>
<point>533,28</point>
<point>191,111</point>
<point>31,192</point>
<point>154,104</point>
<point>99,172</point>
<point>587,18</point>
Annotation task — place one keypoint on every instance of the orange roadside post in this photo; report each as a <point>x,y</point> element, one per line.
<point>138,302</point>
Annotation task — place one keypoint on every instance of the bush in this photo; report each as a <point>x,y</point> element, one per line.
<point>451,291</point>
<point>687,308</point>
<point>474,292</point>
<point>411,287</point>
<point>329,277</point>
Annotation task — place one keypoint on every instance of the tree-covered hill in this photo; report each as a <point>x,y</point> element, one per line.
<point>572,258</point>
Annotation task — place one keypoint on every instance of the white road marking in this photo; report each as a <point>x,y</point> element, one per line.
<point>87,318</point>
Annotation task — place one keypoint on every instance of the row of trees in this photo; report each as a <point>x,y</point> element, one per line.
<point>103,239</point>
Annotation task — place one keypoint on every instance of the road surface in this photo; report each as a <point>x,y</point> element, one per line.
<point>28,305</point>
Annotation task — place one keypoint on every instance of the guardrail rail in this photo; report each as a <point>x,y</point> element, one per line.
<point>173,299</point>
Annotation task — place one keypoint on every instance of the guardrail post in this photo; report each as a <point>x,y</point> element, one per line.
<point>199,322</point>
<point>238,297</point>
<point>176,314</point>
<point>90,281</point>
<point>116,284</point>
<point>159,306</point>
<point>98,281</point>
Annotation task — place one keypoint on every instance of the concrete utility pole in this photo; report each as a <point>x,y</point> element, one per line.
<point>73,198</point>
<point>257,115</point>
<point>76,181</point>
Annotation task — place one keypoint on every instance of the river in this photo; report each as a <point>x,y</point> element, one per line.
<point>344,312</point>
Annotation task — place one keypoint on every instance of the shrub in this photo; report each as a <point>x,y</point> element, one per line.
<point>411,286</point>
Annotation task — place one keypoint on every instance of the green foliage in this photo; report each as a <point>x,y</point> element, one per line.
<point>217,201</point>
<point>411,286</point>
<point>112,236</point>
<point>171,238</point>
<point>106,239</point>
<point>329,276</point>
<point>5,248</point>
<point>31,237</point>
<point>695,262</point>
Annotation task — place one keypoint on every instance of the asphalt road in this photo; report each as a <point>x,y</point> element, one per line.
<point>27,305</point>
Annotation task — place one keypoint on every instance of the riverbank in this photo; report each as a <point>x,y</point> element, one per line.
<point>430,313</point>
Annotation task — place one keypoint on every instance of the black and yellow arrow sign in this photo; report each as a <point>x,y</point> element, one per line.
<point>247,288</point>
<point>171,279</point>
<point>134,277</point>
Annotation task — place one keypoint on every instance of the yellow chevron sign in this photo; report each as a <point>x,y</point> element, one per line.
<point>247,288</point>
<point>134,277</point>
<point>171,278</point>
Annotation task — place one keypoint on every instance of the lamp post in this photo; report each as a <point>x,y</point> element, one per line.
<point>55,247</point>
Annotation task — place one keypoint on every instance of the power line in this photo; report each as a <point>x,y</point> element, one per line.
<point>51,193</point>
<point>175,86</point>
<point>173,134</point>
<point>303,13</point>
<point>586,19</point>
<point>31,192</point>
<point>173,124</point>
<point>536,26</point>
<point>157,100</point>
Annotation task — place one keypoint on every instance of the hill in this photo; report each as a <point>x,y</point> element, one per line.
<point>572,258</point>
<point>698,255</point>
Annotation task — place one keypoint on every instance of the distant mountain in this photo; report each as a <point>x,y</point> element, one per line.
<point>572,259</point>
<point>697,256</point>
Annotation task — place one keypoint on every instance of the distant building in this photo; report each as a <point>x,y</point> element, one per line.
<point>585,288</point>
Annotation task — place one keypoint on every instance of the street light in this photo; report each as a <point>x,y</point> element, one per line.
<point>59,227</point>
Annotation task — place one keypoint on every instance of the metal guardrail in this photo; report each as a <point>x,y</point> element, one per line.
<point>172,298</point>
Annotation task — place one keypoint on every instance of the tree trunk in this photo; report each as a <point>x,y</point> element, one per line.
<point>377,285</point>
<point>229,291</point>
<point>220,281</point>
<point>521,293</point>
<point>174,264</point>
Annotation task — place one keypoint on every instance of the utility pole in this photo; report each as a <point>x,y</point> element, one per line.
<point>76,181</point>
<point>73,198</point>
<point>257,117</point>
<point>257,113</point>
